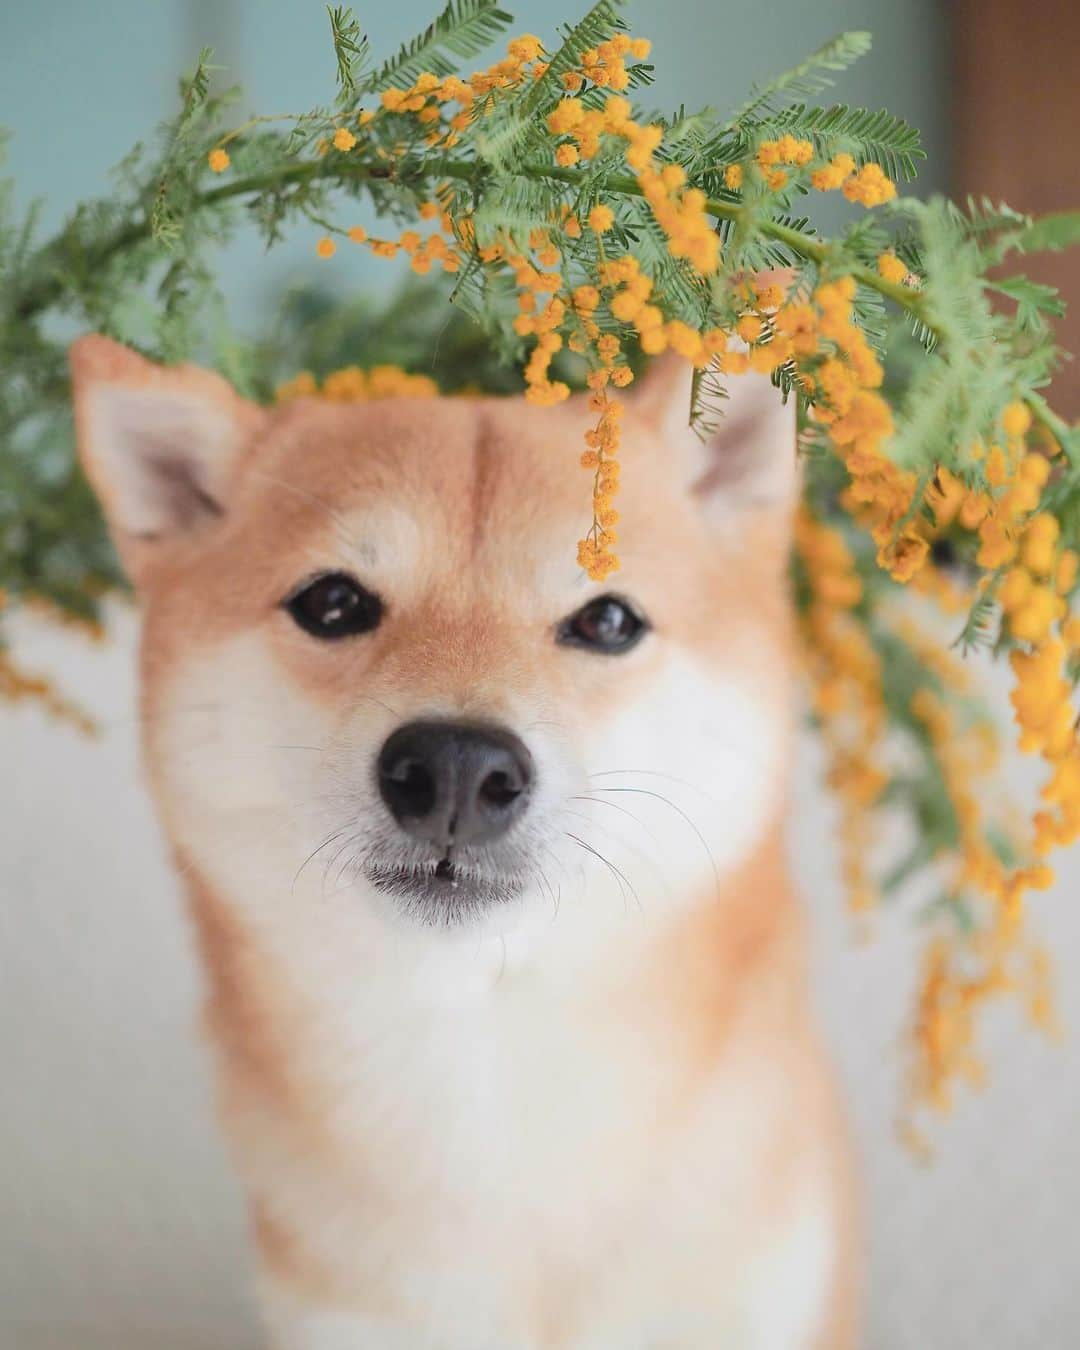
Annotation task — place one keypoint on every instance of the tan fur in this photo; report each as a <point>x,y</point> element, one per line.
<point>698,1115</point>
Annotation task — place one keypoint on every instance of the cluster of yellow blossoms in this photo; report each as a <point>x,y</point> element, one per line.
<point>957,981</point>
<point>605,65</point>
<point>1022,543</point>
<point>1018,543</point>
<point>554,313</point>
<point>1019,546</point>
<point>1044,709</point>
<point>428,96</point>
<point>423,253</point>
<point>837,366</point>
<point>845,678</point>
<point>962,969</point>
<point>774,159</point>
<point>18,685</point>
<point>351,384</point>
<point>961,972</point>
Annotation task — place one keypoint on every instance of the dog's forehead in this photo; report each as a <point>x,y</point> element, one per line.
<point>442,445</point>
<point>480,471</point>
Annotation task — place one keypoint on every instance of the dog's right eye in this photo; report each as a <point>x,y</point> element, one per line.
<point>335,606</point>
<point>607,624</point>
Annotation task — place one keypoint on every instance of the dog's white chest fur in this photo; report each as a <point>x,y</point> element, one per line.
<point>511,1170</point>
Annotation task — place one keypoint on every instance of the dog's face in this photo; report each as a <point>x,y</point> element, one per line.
<point>370,660</point>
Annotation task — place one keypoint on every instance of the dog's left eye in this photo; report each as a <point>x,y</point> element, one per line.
<point>335,606</point>
<point>608,624</point>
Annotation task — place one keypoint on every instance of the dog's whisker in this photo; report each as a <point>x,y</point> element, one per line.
<point>620,840</point>
<point>351,860</point>
<point>555,898</point>
<point>644,792</point>
<point>255,752</point>
<point>330,838</point>
<point>617,872</point>
<point>187,868</point>
<point>614,806</point>
<point>150,718</point>
<point>557,892</point>
<point>378,702</point>
<point>350,839</point>
<point>656,773</point>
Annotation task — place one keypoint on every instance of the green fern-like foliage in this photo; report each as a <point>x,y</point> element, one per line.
<point>351,50</point>
<point>463,30</point>
<point>592,29</point>
<point>872,136</point>
<point>804,81</point>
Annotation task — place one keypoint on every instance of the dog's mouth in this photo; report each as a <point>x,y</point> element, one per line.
<point>443,890</point>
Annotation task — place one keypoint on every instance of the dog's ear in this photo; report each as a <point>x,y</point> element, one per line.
<point>746,461</point>
<point>160,445</point>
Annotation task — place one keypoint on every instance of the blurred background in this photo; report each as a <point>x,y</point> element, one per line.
<point>120,1225</point>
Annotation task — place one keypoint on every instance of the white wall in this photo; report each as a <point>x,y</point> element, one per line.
<point>121,1229</point>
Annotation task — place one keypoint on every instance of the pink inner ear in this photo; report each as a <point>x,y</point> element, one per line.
<point>159,444</point>
<point>161,457</point>
<point>749,459</point>
<point>730,454</point>
<point>751,454</point>
<point>174,481</point>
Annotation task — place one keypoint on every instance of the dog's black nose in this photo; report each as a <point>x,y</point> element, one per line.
<point>455,782</point>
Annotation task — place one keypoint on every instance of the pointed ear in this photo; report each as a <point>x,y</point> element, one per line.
<point>747,460</point>
<point>160,445</point>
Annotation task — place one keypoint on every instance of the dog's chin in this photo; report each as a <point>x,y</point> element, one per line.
<point>443,893</point>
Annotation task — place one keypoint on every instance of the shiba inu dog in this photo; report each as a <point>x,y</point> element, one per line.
<point>504,972</point>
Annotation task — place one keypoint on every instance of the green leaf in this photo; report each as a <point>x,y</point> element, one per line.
<point>978,630</point>
<point>985,217</point>
<point>807,79</point>
<point>596,27</point>
<point>517,129</point>
<point>1033,299</point>
<point>350,48</point>
<point>194,90</point>
<point>1051,233</point>
<point>868,135</point>
<point>512,207</point>
<point>464,29</point>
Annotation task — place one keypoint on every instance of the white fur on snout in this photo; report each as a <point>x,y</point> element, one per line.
<point>683,780</point>
<point>231,735</point>
<point>656,803</point>
<point>273,794</point>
